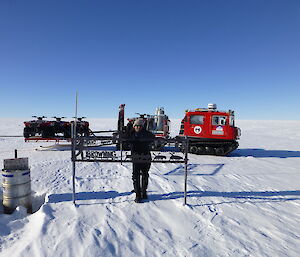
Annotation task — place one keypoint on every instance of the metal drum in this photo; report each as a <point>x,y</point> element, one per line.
<point>16,184</point>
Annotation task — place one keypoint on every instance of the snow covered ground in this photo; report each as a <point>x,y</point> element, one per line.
<point>245,204</point>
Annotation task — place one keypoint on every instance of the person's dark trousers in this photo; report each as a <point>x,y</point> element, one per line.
<point>138,170</point>
<point>145,178</point>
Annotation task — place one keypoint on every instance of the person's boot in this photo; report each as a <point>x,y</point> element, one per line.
<point>137,189</point>
<point>144,187</point>
<point>144,195</point>
<point>138,198</point>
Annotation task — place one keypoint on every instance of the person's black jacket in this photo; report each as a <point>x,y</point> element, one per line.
<point>139,141</point>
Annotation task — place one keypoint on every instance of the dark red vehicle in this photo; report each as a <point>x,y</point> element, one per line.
<point>210,131</point>
<point>37,127</point>
<point>82,127</point>
<point>57,129</point>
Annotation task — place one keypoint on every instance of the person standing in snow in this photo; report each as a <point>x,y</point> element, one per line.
<point>140,140</point>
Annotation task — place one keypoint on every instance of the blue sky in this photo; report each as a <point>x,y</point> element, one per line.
<point>241,55</point>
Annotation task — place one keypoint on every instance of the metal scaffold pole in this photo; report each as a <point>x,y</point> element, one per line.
<point>73,162</point>
<point>73,133</point>
<point>186,169</point>
<point>121,149</point>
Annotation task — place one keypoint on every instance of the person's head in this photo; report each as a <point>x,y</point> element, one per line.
<point>138,125</point>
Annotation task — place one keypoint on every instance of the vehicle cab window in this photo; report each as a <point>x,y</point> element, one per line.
<point>218,120</point>
<point>197,119</point>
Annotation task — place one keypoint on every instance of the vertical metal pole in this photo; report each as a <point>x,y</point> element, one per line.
<point>73,162</point>
<point>76,104</point>
<point>121,148</point>
<point>186,169</point>
<point>73,133</point>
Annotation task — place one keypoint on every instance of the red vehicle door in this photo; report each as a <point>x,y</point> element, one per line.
<point>196,125</point>
<point>219,126</point>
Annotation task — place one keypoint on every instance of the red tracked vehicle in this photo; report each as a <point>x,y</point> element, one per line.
<point>210,131</point>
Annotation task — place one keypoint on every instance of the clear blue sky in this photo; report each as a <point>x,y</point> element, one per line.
<point>240,54</point>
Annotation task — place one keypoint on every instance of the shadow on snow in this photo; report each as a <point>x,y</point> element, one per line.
<point>247,195</point>
<point>207,169</point>
<point>66,197</point>
<point>261,153</point>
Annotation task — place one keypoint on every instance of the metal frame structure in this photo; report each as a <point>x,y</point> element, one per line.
<point>81,152</point>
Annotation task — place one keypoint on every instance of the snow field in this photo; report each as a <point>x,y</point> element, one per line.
<point>245,204</point>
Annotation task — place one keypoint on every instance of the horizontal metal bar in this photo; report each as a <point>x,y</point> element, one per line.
<point>10,136</point>
<point>121,139</point>
<point>99,160</point>
<point>104,131</point>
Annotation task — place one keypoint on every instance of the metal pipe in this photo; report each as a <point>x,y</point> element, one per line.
<point>73,128</point>
<point>186,169</point>
<point>121,148</point>
<point>73,162</point>
<point>10,136</point>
